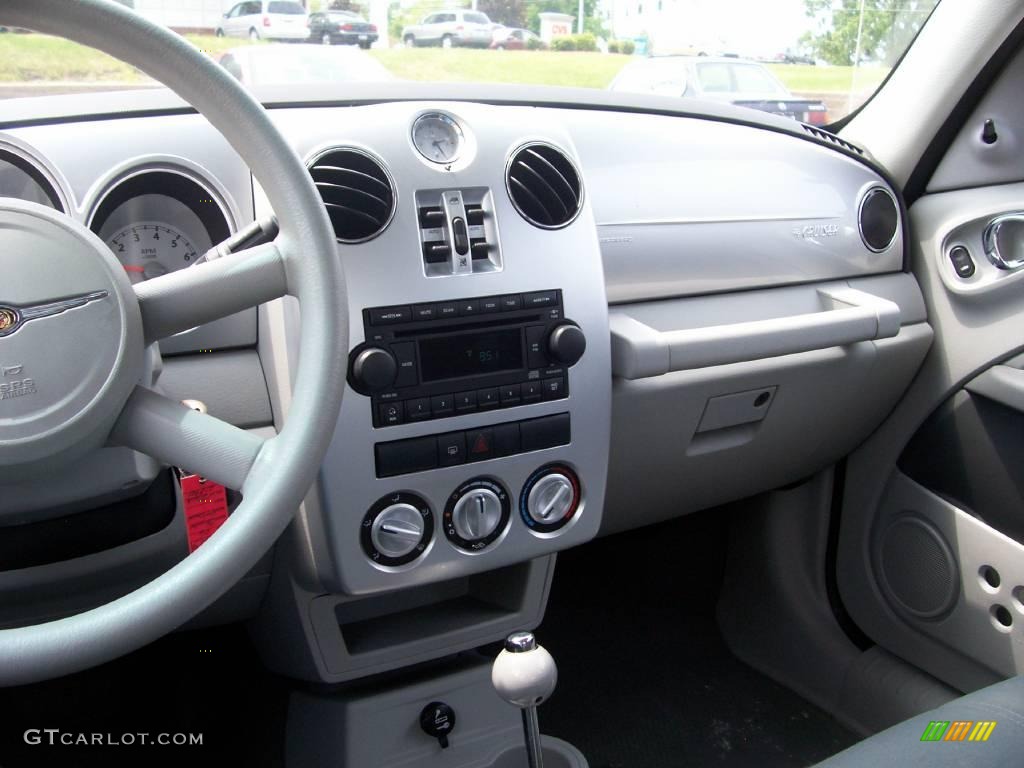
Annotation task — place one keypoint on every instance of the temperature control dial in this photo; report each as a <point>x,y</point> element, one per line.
<point>550,498</point>
<point>477,513</point>
<point>397,529</point>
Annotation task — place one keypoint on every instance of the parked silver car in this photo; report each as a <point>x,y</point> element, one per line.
<point>451,28</point>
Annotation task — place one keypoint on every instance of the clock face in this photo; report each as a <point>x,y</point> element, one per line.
<point>437,137</point>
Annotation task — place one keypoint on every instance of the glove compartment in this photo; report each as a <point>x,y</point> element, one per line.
<point>720,397</point>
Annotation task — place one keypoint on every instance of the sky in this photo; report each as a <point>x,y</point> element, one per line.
<point>757,25</point>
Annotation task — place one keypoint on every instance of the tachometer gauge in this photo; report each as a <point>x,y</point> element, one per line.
<point>148,249</point>
<point>437,137</point>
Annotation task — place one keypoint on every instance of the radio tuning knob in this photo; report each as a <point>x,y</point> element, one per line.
<point>374,369</point>
<point>566,344</point>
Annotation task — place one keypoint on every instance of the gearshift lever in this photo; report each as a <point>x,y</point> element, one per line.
<point>524,675</point>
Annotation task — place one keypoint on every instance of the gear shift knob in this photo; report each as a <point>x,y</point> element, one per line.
<point>524,675</point>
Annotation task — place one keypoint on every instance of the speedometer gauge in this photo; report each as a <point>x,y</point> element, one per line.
<point>150,249</point>
<point>437,137</point>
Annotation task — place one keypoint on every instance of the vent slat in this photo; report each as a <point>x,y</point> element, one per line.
<point>369,181</point>
<point>569,190</point>
<point>357,192</point>
<point>544,186</point>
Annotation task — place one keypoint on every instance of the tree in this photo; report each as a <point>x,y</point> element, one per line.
<point>887,28</point>
<point>511,13</point>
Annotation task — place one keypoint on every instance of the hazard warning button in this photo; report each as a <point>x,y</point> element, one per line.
<point>479,444</point>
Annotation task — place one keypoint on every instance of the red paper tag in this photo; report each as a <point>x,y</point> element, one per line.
<point>206,508</point>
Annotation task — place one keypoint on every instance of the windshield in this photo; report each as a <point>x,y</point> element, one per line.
<point>825,56</point>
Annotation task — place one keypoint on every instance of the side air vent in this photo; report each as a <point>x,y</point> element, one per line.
<point>357,191</point>
<point>831,138</point>
<point>544,186</point>
<point>878,219</point>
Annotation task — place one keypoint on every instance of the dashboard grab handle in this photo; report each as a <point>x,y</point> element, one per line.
<point>848,316</point>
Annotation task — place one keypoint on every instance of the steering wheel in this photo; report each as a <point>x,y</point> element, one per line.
<point>73,337</point>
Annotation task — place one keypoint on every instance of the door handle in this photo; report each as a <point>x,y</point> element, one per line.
<point>1003,241</point>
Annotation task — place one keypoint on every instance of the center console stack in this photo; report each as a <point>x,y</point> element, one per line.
<point>472,441</point>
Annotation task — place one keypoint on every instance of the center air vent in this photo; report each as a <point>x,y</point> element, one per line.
<point>357,191</point>
<point>544,186</point>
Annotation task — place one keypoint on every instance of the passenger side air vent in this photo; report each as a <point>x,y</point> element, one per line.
<point>357,191</point>
<point>831,138</point>
<point>544,186</point>
<point>878,219</point>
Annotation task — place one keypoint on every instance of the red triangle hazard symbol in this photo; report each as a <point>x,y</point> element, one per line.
<point>480,444</point>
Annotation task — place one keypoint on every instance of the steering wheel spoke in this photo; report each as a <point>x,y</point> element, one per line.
<point>182,437</point>
<point>181,300</point>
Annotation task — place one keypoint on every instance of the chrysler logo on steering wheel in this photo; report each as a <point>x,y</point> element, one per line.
<point>11,319</point>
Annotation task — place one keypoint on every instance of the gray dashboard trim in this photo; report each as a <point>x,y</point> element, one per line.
<point>154,101</point>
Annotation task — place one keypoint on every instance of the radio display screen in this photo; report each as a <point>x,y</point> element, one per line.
<point>471,354</point>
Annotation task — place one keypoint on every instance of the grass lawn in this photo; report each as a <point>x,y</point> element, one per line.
<point>804,78</point>
<point>585,70</point>
<point>39,58</point>
<point>27,58</point>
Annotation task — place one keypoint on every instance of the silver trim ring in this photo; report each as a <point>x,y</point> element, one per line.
<point>568,158</point>
<point>860,213</point>
<point>312,159</point>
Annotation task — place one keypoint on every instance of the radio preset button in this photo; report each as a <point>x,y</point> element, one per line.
<point>417,409</point>
<point>511,302</point>
<point>442,405</point>
<point>487,398</point>
<point>390,414</point>
<point>532,390</point>
<point>390,315</point>
<point>509,394</point>
<point>465,401</point>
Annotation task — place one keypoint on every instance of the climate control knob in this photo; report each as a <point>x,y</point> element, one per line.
<point>477,513</point>
<point>373,369</point>
<point>566,344</point>
<point>550,498</point>
<point>397,529</point>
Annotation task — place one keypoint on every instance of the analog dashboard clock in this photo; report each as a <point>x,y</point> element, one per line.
<point>438,137</point>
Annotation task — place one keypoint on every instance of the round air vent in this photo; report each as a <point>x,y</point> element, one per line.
<point>544,186</point>
<point>357,191</point>
<point>878,219</point>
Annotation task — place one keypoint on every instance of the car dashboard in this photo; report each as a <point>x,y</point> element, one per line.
<point>569,314</point>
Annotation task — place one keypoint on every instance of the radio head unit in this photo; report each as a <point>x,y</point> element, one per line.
<point>431,361</point>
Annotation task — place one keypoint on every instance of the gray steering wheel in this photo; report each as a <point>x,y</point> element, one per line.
<point>75,332</point>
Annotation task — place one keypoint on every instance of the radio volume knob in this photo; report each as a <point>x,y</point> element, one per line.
<point>374,369</point>
<point>566,344</point>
